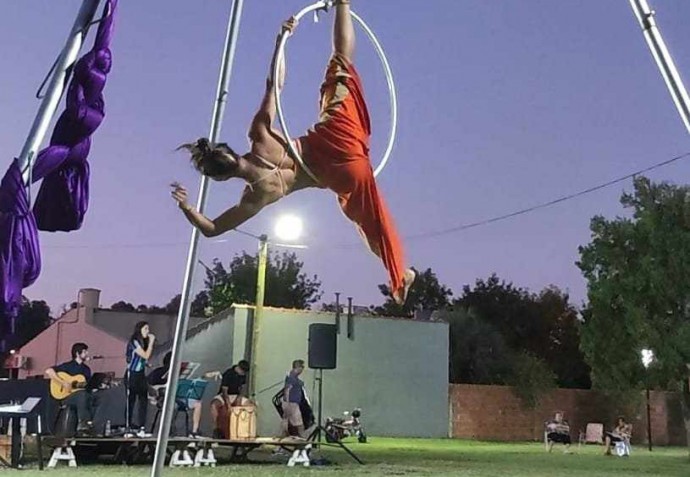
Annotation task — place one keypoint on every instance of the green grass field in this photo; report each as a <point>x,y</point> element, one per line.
<point>422,457</point>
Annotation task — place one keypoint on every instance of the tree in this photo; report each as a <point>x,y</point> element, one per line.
<point>543,325</point>
<point>638,285</point>
<point>531,378</point>
<point>123,306</point>
<point>478,352</point>
<point>198,306</point>
<point>286,285</point>
<point>34,317</point>
<point>427,293</point>
<point>563,354</point>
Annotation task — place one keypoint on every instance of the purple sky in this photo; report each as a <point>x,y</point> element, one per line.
<point>503,105</point>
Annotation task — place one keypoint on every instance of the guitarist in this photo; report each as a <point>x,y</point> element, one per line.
<point>79,399</point>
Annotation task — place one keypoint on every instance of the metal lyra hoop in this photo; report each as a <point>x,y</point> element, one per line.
<point>324,5</point>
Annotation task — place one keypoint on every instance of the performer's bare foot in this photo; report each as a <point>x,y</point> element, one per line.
<point>408,280</point>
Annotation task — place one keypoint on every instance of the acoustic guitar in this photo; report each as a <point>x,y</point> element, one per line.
<point>60,392</point>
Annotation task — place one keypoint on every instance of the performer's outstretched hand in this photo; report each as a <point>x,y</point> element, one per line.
<point>289,25</point>
<point>179,194</point>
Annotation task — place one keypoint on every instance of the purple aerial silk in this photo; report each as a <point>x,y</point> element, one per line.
<point>63,197</point>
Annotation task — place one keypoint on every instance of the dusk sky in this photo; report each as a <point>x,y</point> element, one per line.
<point>503,105</point>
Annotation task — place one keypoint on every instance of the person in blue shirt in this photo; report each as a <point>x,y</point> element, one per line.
<point>292,396</point>
<point>83,401</point>
<point>138,352</point>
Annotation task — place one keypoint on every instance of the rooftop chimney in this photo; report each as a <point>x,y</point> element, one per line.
<point>89,298</point>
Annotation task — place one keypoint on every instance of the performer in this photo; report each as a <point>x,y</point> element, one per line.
<point>292,397</point>
<point>158,378</point>
<point>73,378</point>
<point>138,352</point>
<point>336,150</point>
<point>232,392</point>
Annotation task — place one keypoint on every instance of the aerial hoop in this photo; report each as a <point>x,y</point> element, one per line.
<point>325,5</point>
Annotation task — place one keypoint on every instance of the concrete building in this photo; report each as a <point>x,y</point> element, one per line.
<point>395,370</point>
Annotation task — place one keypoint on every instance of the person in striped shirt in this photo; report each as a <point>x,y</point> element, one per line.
<point>138,352</point>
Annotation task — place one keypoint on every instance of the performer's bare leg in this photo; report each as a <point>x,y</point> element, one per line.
<point>196,417</point>
<point>408,278</point>
<point>343,31</point>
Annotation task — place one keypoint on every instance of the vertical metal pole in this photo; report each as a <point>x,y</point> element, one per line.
<point>183,313</point>
<point>350,320</point>
<point>645,15</point>
<point>258,310</point>
<point>337,312</point>
<point>320,417</point>
<point>63,69</point>
<point>649,422</point>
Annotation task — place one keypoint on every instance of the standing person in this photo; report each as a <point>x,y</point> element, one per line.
<point>292,397</point>
<point>232,392</point>
<point>336,150</point>
<point>82,400</point>
<point>138,352</point>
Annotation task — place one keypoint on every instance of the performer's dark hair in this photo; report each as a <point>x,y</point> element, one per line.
<point>144,342</point>
<point>298,363</point>
<point>212,161</point>
<point>77,348</point>
<point>244,365</point>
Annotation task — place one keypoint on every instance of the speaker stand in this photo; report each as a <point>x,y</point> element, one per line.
<point>320,431</point>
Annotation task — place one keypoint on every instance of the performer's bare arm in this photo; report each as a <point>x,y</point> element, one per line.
<point>266,114</point>
<point>249,206</point>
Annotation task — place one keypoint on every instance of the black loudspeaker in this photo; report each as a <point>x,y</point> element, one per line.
<point>323,346</point>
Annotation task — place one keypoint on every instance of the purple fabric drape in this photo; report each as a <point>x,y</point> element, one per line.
<point>63,197</point>
<point>20,257</point>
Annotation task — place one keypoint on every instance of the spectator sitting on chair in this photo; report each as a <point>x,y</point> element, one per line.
<point>82,400</point>
<point>158,378</point>
<point>232,392</point>
<point>558,430</point>
<point>622,433</point>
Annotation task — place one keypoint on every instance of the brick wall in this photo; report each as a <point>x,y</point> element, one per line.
<point>495,413</point>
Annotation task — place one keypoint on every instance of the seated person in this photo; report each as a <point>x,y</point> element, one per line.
<point>621,433</point>
<point>158,378</point>
<point>232,392</point>
<point>558,430</point>
<point>82,400</point>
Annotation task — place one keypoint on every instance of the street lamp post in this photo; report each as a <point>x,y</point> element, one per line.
<point>288,228</point>
<point>647,356</point>
<point>258,309</point>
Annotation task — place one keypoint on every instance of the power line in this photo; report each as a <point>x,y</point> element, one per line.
<point>461,227</point>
